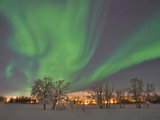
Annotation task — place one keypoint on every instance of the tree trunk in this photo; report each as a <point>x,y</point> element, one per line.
<point>100,105</point>
<point>136,103</point>
<point>44,106</point>
<point>107,104</point>
<point>147,105</point>
<point>83,107</point>
<point>54,104</point>
<point>120,104</point>
<point>139,104</point>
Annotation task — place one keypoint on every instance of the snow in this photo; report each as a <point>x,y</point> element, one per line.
<point>35,112</point>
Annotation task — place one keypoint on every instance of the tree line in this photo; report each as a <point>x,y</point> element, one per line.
<point>104,91</point>
<point>51,92</point>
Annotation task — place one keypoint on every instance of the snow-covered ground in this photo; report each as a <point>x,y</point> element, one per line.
<point>35,112</point>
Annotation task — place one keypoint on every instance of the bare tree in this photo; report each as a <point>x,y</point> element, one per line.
<point>136,88</point>
<point>97,90</point>
<point>150,90</point>
<point>41,90</point>
<point>126,96</point>
<point>108,93</point>
<point>58,92</point>
<point>121,94</point>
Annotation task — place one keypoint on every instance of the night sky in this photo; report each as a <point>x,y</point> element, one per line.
<point>80,41</point>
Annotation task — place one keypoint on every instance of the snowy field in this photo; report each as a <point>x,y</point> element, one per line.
<point>35,112</point>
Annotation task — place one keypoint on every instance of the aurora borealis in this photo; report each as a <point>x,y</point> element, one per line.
<point>80,41</point>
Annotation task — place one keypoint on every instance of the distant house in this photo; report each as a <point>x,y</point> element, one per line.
<point>3,99</point>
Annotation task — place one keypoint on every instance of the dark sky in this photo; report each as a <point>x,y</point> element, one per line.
<point>124,18</point>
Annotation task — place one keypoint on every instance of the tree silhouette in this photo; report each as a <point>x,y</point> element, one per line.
<point>41,90</point>
<point>136,88</point>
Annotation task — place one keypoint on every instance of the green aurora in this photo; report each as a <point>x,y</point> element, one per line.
<point>142,46</point>
<point>58,39</point>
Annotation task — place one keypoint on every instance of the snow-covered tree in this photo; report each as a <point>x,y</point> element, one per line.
<point>49,91</point>
<point>97,90</point>
<point>42,90</point>
<point>58,92</point>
